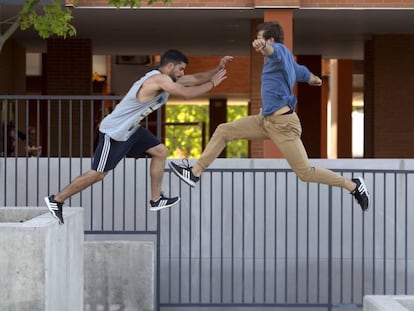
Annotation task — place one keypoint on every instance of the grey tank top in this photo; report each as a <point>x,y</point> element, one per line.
<point>124,120</point>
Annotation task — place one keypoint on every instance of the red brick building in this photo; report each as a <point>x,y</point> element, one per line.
<point>384,59</point>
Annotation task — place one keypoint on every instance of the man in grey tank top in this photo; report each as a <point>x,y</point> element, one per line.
<point>121,135</point>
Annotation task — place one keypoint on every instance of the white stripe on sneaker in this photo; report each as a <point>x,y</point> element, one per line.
<point>52,206</point>
<point>163,203</point>
<point>362,187</point>
<point>186,174</point>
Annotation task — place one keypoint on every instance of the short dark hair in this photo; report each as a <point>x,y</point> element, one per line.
<point>271,30</point>
<point>173,56</point>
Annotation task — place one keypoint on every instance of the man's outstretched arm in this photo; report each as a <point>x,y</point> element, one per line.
<point>203,77</point>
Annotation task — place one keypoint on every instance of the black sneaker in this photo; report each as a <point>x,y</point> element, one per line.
<point>360,193</point>
<point>163,202</point>
<point>55,208</point>
<point>184,173</point>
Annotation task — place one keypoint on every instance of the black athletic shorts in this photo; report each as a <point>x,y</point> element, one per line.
<point>109,151</point>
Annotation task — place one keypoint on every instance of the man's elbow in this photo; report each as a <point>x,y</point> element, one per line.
<point>185,95</point>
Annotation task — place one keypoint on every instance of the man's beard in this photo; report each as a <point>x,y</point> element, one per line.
<point>174,78</point>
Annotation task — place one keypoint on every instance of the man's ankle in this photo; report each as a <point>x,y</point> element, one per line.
<point>197,170</point>
<point>57,199</point>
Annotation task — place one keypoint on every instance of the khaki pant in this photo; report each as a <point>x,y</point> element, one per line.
<point>284,131</point>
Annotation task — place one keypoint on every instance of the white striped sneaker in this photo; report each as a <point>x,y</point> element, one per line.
<point>55,208</point>
<point>360,193</point>
<point>184,172</point>
<point>163,202</point>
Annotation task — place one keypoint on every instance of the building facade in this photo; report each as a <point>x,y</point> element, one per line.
<point>384,60</point>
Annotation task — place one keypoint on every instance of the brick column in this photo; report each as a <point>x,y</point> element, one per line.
<point>69,72</point>
<point>12,68</point>
<point>256,147</point>
<point>388,97</point>
<point>69,67</point>
<point>311,110</point>
<point>285,18</point>
<point>217,115</point>
<point>344,129</point>
<point>369,99</point>
<point>266,149</point>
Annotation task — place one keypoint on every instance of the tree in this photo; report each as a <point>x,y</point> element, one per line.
<point>185,141</point>
<point>51,18</point>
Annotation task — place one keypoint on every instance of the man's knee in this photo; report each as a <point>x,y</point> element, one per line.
<point>222,131</point>
<point>98,176</point>
<point>221,128</point>
<point>306,175</point>
<point>159,151</point>
<point>101,175</point>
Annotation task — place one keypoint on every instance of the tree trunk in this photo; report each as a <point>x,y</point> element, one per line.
<point>8,33</point>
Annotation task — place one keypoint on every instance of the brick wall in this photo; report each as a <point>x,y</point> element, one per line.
<point>178,3</point>
<point>69,67</point>
<point>369,91</point>
<point>344,108</point>
<point>309,108</point>
<point>256,147</point>
<point>390,82</point>
<point>277,3</point>
<point>12,68</point>
<point>357,3</point>
<point>238,73</point>
<point>267,3</point>
<point>69,72</point>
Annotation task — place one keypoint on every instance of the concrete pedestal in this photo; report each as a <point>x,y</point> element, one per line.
<point>119,275</point>
<point>41,262</point>
<point>388,303</point>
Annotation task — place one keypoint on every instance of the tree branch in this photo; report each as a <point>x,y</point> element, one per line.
<point>8,33</point>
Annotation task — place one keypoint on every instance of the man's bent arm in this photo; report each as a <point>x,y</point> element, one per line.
<point>176,89</point>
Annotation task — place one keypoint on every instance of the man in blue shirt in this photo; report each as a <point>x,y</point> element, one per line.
<point>277,119</point>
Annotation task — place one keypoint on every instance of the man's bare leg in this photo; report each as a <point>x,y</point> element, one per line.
<point>55,202</point>
<point>159,154</point>
<point>79,183</point>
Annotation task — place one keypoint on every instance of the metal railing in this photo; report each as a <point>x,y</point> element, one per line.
<point>64,126</point>
<point>250,235</point>
<point>261,238</point>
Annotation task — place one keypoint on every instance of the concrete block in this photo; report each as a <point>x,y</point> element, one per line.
<point>41,262</point>
<point>119,275</point>
<point>388,303</point>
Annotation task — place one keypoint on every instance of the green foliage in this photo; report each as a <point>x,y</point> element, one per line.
<point>185,141</point>
<point>237,148</point>
<point>54,20</point>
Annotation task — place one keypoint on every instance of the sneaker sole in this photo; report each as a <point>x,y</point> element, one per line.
<point>366,191</point>
<point>186,180</point>
<point>51,210</point>
<point>154,209</point>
